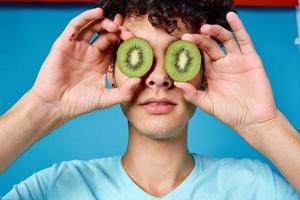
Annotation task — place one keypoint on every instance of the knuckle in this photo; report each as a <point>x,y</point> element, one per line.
<point>217,30</point>
<point>244,41</point>
<point>105,22</point>
<point>74,23</point>
<point>210,49</point>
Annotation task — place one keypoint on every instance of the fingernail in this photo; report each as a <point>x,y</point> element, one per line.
<point>176,84</point>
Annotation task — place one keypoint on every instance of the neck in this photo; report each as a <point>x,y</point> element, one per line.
<point>157,165</point>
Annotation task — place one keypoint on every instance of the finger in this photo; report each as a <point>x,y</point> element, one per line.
<point>108,25</point>
<point>99,25</point>
<point>105,40</point>
<point>223,35</point>
<point>207,62</point>
<point>242,35</point>
<point>118,19</point>
<point>77,23</point>
<point>120,95</point>
<point>208,45</point>
<point>125,34</point>
<point>207,59</point>
<point>197,97</point>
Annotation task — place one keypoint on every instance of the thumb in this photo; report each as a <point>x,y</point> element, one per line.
<point>128,88</point>
<point>121,94</point>
<point>196,97</point>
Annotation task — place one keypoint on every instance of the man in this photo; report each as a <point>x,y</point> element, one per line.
<point>156,164</point>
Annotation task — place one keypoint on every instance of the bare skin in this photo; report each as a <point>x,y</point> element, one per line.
<point>71,82</point>
<point>239,94</point>
<point>157,140</point>
<point>74,65</point>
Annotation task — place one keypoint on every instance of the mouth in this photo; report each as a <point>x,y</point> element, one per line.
<point>158,106</point>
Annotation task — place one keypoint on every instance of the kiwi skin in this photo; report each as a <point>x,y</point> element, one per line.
<point>135,50</point>
<point>183,60</point>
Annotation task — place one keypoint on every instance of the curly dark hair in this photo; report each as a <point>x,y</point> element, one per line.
<point>193,13</point>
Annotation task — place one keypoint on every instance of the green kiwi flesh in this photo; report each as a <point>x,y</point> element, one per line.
<point>183,60</point>
<point>134,57</point>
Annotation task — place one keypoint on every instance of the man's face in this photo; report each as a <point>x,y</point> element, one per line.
<point>159,121</point>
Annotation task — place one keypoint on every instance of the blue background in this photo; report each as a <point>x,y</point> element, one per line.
<point>27,32</point>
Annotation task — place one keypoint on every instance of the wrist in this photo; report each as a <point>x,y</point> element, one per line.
<point>279,141</point>
<point>23,124</point>
<point>257,134</point>
<point>268,134</point>
<point>42,116</point>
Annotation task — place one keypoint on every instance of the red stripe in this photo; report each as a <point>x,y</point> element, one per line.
<point>49,1</point>
<point>265,2</point>
<point>237,2</point>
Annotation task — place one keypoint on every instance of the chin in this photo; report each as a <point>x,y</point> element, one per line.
<point>159,131</point>
<point>158,126</point>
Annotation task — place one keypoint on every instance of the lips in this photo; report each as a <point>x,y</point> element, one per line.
<point>161,101</point>
<point>158,106</point>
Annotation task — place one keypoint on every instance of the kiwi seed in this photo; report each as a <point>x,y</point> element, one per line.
<point>183,60</point>
<point>135,57</point>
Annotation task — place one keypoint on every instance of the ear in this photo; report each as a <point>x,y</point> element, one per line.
<point>111,76</point>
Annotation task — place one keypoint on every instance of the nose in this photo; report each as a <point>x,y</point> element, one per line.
<point>158,77</point>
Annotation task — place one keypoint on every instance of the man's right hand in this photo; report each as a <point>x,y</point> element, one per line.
<point>72,78</point>
<point>71,82</point>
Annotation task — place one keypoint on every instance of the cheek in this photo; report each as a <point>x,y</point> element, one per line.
<point>127,108</point>
<point>190,109</point>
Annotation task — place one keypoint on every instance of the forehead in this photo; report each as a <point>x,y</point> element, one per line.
<point>141,27</point>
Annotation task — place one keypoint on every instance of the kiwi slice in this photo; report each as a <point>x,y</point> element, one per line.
<point>135,57</point>
<point>183,60</point>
